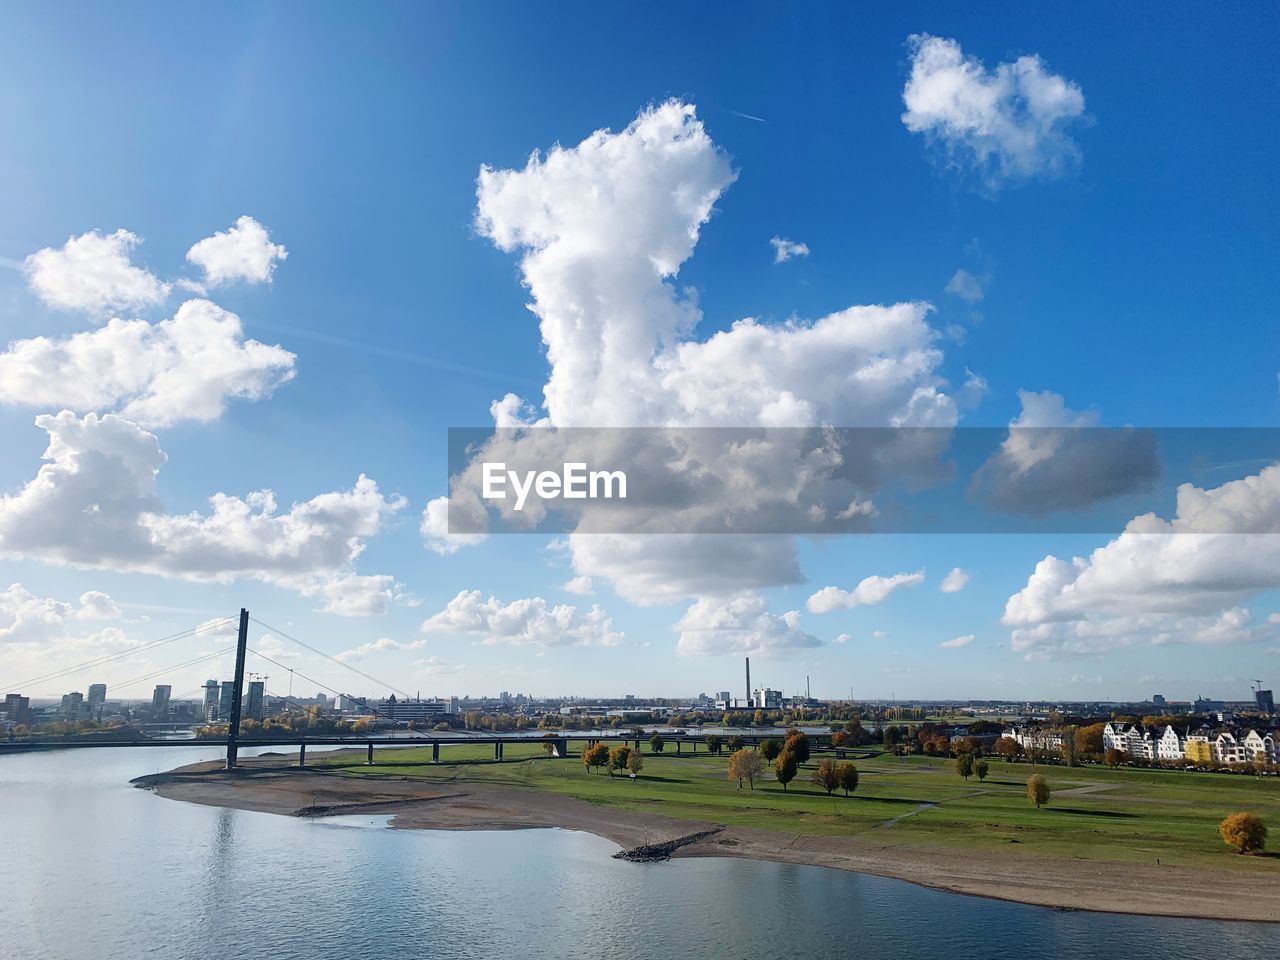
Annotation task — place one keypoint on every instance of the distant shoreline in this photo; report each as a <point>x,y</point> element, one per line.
<point>263,785</point>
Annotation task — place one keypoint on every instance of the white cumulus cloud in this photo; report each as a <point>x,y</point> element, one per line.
<point>956,642</point>
<point>740,625</point>
<point>94,504</point>
<point>1007,124</point>
<point>955,581</point>
<point>579,585</point>
<point>435,530</point>
<point>870,590</point>
<point>527,621</point>
<point>1055,458</point>
<point>93,273</point>
<point>184,368</point>
<point>1160,581</point>
<point>242,252</point>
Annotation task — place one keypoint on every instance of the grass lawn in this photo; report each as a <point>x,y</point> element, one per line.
<point>1095,812</point>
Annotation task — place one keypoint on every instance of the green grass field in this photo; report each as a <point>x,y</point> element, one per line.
<point>1095,812</point>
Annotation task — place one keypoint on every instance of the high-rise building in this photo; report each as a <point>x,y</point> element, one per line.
<point>160,701</point>
<point>1157,700</point>
<point>97,697</point>
<point>226,694</point>
<point>253,709</point>
<point>16,707</point>
<point>73,706</point>
<point>210,701</point>
<point>1265,701</point>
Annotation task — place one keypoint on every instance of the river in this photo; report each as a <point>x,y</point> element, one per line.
<point>96,868</point>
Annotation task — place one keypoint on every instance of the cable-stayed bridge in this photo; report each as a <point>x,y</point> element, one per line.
<point>238,738</point>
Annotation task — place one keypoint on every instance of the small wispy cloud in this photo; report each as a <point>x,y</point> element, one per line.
<point>784,249</point>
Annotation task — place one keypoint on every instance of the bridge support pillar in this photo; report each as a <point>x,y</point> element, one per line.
<point>302,754</point>
<point>677,746</point>
<point>370,760</point>
<point>435,752</point>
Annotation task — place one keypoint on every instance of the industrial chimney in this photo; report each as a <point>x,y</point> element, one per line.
<point>748,681</point>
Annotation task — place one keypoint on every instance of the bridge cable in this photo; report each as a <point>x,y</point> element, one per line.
<point>363,703</point>
<point>121,655</point>
<point>369,677</point>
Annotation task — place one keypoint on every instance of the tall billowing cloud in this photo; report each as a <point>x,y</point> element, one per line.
<point>94,504</point>
<point>528,621</point>
<point>184,368</point>
<point>1160,581</point>
<point>1004,125</point>
<point>243,252</point>
<point>602,229</point>
<point>93,273</point>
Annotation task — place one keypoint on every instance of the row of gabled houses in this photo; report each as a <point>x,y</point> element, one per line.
<point>1201,745</point>
<point>1197,744</point>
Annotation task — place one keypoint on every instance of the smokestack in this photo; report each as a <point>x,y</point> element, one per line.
<point>806,687</point>
<point>748,680</point>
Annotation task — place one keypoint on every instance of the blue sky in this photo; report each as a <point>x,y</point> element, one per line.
<point>1137,281</point>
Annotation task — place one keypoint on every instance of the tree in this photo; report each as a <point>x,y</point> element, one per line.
<point>757,718</point>
<point>785,768</point>
<point>1114,757</point>
<point>745,765</point>
<point>595,756</point>
<point>839,738</point>
<point>826,776</point>
<point>981,768</point>
<point>1037,790</point>
<point>656,743</point>
<point>797,744</point>
<point>736,744</point>
<point>618,758</point>
<point>1089,739</point>
<point>713,743</point>
<point>1008,748</point>
<point>1068,748</point>
<point>635,762</point>
<point>769,749</point>
<point>847,774</point>
<point>964,766</point>
<point>1243,832</point>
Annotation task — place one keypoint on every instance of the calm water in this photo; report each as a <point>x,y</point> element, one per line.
<point>96,868</point>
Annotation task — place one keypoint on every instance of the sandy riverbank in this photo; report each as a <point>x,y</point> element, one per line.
<point>263,784</point>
